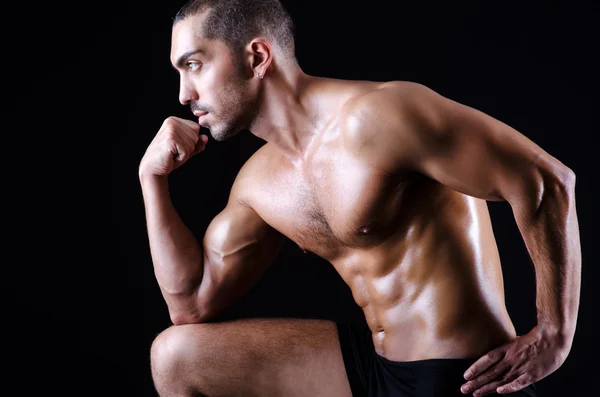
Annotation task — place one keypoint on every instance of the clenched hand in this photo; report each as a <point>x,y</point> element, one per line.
<point>174,144</point>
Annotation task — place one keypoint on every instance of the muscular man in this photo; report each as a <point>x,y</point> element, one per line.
<point>388,181</point>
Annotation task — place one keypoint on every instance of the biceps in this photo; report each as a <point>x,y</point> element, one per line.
<point>478,155</point>
<point>238,247</point>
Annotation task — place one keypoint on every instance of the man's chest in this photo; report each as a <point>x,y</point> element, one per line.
<point>336,202</point>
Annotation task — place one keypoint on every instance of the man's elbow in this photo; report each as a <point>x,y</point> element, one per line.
<point>555,191</point>
<point>568,178</point>
<point>561,183</point>
<point>548,185</point>
<point>183,317</point>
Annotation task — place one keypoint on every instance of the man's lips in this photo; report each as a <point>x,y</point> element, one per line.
<point>200,114</point>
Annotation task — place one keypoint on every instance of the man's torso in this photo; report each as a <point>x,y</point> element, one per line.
<point>420,259</point>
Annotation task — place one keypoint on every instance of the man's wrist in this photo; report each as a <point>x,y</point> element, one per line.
<point>561,334</point>
<point>146,177</point>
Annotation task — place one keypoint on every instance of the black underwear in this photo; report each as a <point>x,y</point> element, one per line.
<point>372,375</point>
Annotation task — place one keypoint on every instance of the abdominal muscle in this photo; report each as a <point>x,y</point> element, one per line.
<point>435,291</point>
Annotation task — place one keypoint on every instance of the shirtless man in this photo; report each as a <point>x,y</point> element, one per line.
<point>388,182</point>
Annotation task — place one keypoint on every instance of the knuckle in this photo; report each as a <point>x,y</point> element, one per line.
<point>520,381</point>
<point>493,356</point>
<point>482,379</point>
<point>531,352</point>
<point>170,123</point>
<point>489,377</point>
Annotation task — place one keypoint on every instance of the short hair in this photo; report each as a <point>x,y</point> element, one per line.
<point>236,22</point>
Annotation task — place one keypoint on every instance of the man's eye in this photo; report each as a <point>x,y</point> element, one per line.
<point>192,65</point>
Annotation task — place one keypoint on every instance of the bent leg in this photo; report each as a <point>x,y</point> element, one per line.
<point>250,357</point>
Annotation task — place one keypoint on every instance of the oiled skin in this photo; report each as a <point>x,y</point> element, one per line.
<point>388,182</point>
<point>420,258</point>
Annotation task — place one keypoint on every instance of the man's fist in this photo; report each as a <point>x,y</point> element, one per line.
<point>174,144</point>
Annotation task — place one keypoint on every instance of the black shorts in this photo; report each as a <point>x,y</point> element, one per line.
<point>372,375</point>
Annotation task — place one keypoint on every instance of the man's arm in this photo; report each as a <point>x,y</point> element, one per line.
<point>473,153</point>
<point>200,280</point>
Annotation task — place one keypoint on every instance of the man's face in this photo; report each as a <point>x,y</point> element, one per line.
<point>212,81</point>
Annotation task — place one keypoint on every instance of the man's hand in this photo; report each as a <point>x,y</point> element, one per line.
<point>517,364</point>
<point>175,143</point>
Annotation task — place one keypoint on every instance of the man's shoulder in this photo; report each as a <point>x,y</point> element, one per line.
<point>382,103</point>
<point>380,122</point>
<point>371,109</point>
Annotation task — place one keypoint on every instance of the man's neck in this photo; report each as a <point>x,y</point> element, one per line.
<point>287,114</point>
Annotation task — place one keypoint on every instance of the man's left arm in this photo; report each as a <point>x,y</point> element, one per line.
<point>473,153</point>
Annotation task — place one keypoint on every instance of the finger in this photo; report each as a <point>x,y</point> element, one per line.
<point>183,138</point>
<point>201,144</point>
<point>484,363</point>
<point>181,153</point>
<point>521,382</point>
<point>189,140</point>
<point>494,373</point>
<point>190,123</point>
<point>187,127</point>
<point>491,387</point>
<point>192,131</point>
<point>191,127</point>
<point>175,132</point>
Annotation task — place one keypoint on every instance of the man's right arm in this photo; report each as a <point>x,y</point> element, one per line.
<point>198,280</point>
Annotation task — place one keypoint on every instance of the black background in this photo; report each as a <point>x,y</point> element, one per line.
<point>87,85</point>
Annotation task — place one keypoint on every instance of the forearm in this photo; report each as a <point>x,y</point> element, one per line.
<point>551,233</point>
<point>176,253</point>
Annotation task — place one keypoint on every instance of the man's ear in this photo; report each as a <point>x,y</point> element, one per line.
<point>260,56</point>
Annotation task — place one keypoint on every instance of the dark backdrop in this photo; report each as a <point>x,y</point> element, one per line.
<point>86,86</point>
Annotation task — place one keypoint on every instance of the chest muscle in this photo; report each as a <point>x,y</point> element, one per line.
<point>335,203</point>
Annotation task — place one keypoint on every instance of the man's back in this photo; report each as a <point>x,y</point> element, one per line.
<point>420,258</point>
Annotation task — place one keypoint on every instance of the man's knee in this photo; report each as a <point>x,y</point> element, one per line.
<point>172,349</point>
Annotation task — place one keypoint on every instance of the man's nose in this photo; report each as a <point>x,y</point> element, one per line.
<point>187,93</point>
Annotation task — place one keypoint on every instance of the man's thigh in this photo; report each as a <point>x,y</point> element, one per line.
<point>252,357</point>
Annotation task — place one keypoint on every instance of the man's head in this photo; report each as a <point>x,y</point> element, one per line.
<point>222,48</point>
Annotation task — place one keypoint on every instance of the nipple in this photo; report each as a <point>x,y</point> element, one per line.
<point>365,229</point>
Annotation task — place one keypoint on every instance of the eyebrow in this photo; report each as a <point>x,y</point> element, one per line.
<point>184,57</point>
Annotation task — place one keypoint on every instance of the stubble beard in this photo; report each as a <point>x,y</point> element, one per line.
<point>238,110</point>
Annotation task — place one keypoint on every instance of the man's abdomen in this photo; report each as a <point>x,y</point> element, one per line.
<point>436,291</point>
